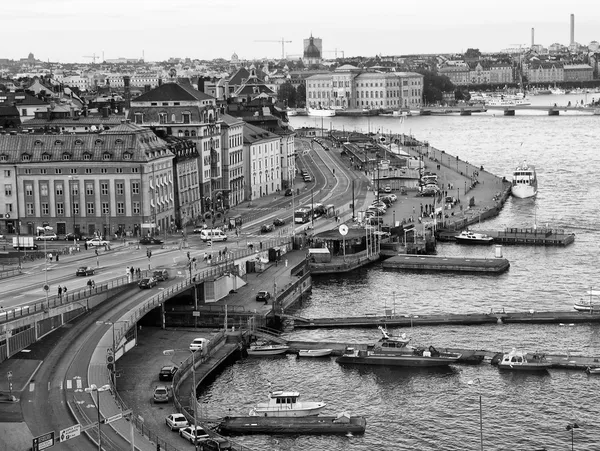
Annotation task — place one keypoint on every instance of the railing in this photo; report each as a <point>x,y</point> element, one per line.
<point>10,272</point>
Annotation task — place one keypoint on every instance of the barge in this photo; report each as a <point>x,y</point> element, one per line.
<point>340,424</point>
<point>456,264</point>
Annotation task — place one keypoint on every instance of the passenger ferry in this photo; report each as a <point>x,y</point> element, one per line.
<point>320,112</point>
<point>524,181</point>
<point>518,99</point>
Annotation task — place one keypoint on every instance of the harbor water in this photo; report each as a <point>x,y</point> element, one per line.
<point>440,409</point>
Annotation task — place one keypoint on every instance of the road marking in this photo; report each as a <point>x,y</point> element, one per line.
<point>61,385</point>
<point>49,386</point>
<point>69,384</point>
<point>79,384</point>
<point>31,386</point>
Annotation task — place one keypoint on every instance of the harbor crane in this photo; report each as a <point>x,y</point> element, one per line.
<point>282,41</point>
<point>93,57</point>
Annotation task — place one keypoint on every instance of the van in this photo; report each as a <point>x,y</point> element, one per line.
<point>212,235</point>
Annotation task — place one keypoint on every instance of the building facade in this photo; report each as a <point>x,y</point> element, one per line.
<point>232,138</point>
<point>263,171</point>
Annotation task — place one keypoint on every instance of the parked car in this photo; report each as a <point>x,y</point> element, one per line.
<point>263,296</point>
<point>167,372</point>
<point>288,192</point>
<point>193,433</point>
<point>160,275</point>
<point>216,443</point>
<point>307,178</point>
<point>84,271</point>
<point>150,240</point>
<point>47,237</point>
<point>387,189</point>
<point>96,242</point>
<point>176,421</point>
<point>198,344</point>
<point>147,282</point>
<point>266,228</point>
<point>161,394</point>
<point>278,222</point>
<point>75,236</point>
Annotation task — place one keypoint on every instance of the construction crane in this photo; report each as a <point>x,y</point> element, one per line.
<point>335,52</point>
<point>93,57</point>
<point>282,41</point>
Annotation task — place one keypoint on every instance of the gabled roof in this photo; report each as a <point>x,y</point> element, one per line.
<point>253,134</point>
<point>173,92</point>
<point>21,98</point>
<point>230,120</point>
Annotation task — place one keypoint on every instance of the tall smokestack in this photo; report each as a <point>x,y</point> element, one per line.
<point>127,90</point>
<point>572,29</point>
<point>532,37</point>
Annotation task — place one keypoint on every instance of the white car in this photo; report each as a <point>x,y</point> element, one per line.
<point>96,242</point>
<point>47,236</point>
<point>176,421</point>
<point>198,344</point>
<point>188,433</point>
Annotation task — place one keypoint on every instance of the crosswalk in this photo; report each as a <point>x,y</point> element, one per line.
<point>75,384</point>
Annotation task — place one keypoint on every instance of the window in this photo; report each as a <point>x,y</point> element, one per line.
<point>60,209</point>
<point>135,188</point>
<point>87,156</point>
<point>90,208</point>
<point>7,173</point>
<point>8,208</point>
<point>187,118</point>
<point>29,190</point>
<point>29,209</point>
<point>43,171</point>
<point>73,170</point>
<point>58,171</point>
<point>25,157</point>
<point>162,118</point>
<point>104,189</point>
<point>88,170</point>
<point>139,118</point>
<point>45,209</point>
<point>59,190</point>
<point>8,190</point>
<point>46,157</point>
<point>120,208</point>
<point>89,189</point>
<point>66,156</point>
<point>135,169</point>
<point>44,189</point>
<point>75,208</point>
<point>3,157</point>
<point>106,156</point>
<point>27,171</point>
<point>119,170</point>
<point>105,208</point>
<point>126,156</point>
<point>136,208</point>
<point>120,188</point>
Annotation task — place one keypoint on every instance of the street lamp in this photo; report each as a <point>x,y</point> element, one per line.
<point>571,427</point>
<point>74,192</point>
<point>93,388</point>
<point>471,382</point>
<point>114,350</point>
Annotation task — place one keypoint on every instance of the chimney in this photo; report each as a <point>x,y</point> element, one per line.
<point>127,91</point>
<point>160,82</point>
<point>105,111</point>
<point>532,37</point>
<point>572,29</point>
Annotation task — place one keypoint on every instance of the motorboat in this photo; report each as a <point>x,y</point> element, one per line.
<point>469,237</point>
<point>395,351</point>
<point>286,404</point>
<point>521,361</point>
<point>588,304</point>
<point>315,352</point>
<point>524,181</point>
<point>291,112</point>
<point>593,371</point>
<point>320,112</point>
<point>258,350</point>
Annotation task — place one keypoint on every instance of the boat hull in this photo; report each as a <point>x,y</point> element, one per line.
<point>320,112</point>
<point>524,191</point>
<point>314,352</point>
<point>400,361</point>
<point>292,425</point>
<point>484,241</point>
<point>267,351</point>
<point>528,367</point>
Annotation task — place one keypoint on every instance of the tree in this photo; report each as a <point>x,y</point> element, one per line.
<point>301,94</point>
<point>434,86</point>
<point>472,54</point>
<point>287,94</point>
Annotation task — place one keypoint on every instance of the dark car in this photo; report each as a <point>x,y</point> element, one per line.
<point>84,271</point>
<point>166,373</point>
<point>160,275</point>
<point>149,240</point>
<point>263,296</point>
<point>266,228</point>
<point>148,282</point>
<point>75,236</point>
<point>278,222</point>
<point>288,192</point>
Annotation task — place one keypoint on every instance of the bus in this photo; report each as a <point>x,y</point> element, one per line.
<point>303,215</point>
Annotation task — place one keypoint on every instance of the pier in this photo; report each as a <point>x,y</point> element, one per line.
<point>515,235</point>
<point>457,264</point>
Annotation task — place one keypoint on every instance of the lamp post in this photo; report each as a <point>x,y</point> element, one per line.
<point>571,427</point>
<point>114,350</point>
<point>93,388</point>
<point>471,382</point>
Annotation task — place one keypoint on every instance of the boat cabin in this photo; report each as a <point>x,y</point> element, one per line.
<point>283,399</point>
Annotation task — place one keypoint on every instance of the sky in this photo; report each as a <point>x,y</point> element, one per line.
<point>74,30</point>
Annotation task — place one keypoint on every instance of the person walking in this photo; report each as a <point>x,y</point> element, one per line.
<point>60,291</point>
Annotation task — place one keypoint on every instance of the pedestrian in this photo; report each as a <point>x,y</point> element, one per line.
<point>205,257</point>
<point>132,270</point>
<point>57,258</point>
<point>60,291</point>
<point>93,284</point>
<point>89,283</point>
<point>65,290</point>
<point>209,258</point>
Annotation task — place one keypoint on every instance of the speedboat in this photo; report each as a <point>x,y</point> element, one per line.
<point>394,351</point>
<point>468,237</point>
<point>593,371</point>
<point>315,352</point>
<point>587,304</point>
<point>286,404</point>
<point>258,350</point>
<point>521,361</point>
<point>524,181</point>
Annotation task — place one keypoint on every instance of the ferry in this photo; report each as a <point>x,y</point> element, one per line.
<point>524,181</point>
<point>507,100</point>
<point>320,112</point>
<point>286,404</point>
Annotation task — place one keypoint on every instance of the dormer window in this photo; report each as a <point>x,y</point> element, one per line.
<point>38,143</point>
<point>58,142</point>
<point>119,142</point>
<point>79,142</point>
<point>106,156</point>
<point>3,157</point>
<point>87,156</point>
<point>98,142</point>
<point>25,157</point>
<point>127,156</point>
<point>46,157</point>
<point>139,118</point>
<point>66,156</point>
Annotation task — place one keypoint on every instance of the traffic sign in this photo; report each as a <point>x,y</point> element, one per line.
<point>70,432</point>
<point>9,375</point>
<point>46,287</point>
<point>116,417</point>
<point>43,441</point>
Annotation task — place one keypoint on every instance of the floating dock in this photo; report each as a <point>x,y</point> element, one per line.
<point>514,235</point>
<point>457,264</point>
<point>341,424</point>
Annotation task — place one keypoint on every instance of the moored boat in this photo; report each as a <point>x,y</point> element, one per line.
<point>593,371</point>
<point>258,350</point>
<point>315,352</point>
<point>520,361</point>
<point>469,237</point>
<point>320,112</point>
<point>286,404</point>
<point>524,181</point>
<point>339,424</point>
<point>588,304</point>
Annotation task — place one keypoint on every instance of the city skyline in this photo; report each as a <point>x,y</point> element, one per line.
<point>76,30</point>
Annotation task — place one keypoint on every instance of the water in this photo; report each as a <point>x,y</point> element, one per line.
<point>439,410</point>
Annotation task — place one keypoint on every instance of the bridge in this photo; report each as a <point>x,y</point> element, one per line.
<point>553,110</point>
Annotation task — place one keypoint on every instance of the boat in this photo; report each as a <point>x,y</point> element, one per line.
<point>518,99</point>
<point>469,237</point>
<point>315,352</point>
<point>524,181</point>
<point>557,91</point>
<point>267,349</point>
<point>587,304</point>
<point>321,112</point>
<point>394,351</point>
<point>520,361</point>
<point>291,112</point>
<point>593,371</point>
<point>340,424</point>
<point>286,404</point>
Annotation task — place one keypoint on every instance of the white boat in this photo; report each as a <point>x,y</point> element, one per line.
<point>320,112</point>
<point>588,304</point>
<point>286,404</point>
<point>524,181</point>
<point>468,237</point>
<point>267,349</point>
<point>291,112</point>
<point>593,370</point>
<point>557,91</point>
<point>314,352</point>
<point>522,361</point>
<point>507,100</point>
